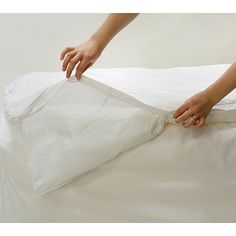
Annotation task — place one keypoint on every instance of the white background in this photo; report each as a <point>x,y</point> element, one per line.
<point>33,42</point>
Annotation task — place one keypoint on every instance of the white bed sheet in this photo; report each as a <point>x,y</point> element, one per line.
<point>183,175</point>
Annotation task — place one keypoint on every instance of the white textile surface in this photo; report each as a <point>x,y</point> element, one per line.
<point>177,175</point>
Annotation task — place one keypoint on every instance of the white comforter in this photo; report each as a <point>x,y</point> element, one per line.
<point>180,175</point>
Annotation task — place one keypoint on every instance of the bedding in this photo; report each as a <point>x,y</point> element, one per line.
<point>170,175</point>
<point>79,133</point>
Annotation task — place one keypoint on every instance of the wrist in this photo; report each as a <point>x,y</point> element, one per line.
<point>100,42</point>
<point>213,96</point>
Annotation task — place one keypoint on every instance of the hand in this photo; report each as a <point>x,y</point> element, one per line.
<point>82,56</point>
<point>194,111</point>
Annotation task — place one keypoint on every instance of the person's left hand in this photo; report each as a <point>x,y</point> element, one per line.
<point>194,111</point>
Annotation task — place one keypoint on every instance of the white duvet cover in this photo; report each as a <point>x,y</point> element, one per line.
<point>54,131</point>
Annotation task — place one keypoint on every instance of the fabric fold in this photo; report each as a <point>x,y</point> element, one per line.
<point>29,93</point>
<point>83,125</point>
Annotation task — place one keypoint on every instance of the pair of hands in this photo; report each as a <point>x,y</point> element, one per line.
<point>192,113</point>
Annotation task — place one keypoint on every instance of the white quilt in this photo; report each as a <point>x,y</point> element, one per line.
<point>54,130</point>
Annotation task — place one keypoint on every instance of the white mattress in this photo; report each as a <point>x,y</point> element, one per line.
<point>182,175</point>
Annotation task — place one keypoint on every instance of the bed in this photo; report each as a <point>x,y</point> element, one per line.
<point>170,174</point>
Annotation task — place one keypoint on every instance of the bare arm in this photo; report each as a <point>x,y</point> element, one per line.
<point>223,86</point>
<point>112,25</point>
<point>85,55</point>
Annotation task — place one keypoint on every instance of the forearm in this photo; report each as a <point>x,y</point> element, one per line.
<point>112,25</point>
<point>223,86</point>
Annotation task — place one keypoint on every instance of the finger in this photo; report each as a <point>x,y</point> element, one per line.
<point>81,67</point>
<point>200,123</point>
<point>72,65</point>
<point>188,123</point>
<point>67,59</point>
<point>66,50</point>
<point>184,116</point>
<point>90,64</point>
<point>191,121</point>
<point>180,110</point>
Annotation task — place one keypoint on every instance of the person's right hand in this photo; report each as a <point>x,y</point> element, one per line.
<point>81,57</point>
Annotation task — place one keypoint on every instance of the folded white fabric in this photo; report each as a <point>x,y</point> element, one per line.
<point>70,128</point>
<point>82,125</point>
<point>27,94</point>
